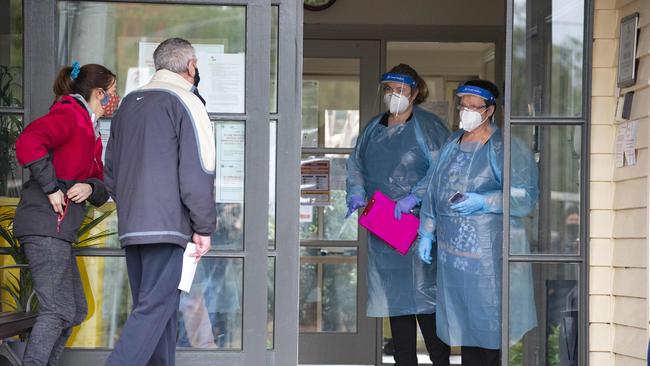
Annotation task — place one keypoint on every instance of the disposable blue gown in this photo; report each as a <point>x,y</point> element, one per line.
<point>469,248</point>
<point>397,161</point>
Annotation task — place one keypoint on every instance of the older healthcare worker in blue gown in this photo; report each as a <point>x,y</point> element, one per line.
<point>395,155</point>
<point>468,229</point>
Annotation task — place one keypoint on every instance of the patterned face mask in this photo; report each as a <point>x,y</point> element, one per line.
<point>109,103</point>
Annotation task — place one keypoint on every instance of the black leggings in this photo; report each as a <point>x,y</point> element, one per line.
<point>477,356</point>
<point>404,333</point>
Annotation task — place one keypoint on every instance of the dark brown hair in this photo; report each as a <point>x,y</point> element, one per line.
<point>90,76</point>
<point>423,89</point>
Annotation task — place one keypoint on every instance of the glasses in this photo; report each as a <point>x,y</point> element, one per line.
<point>461,107</point>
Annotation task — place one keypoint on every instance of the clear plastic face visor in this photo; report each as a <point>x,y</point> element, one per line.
<point>395,91</point>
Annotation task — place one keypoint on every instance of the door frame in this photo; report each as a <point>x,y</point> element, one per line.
<point>410,33</point>
<point>316,348</point>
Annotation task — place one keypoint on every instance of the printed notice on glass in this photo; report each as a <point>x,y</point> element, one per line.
<point>227,90</point>
<point>315,182</point>
<point>229,182</point>
<point>205,55</point>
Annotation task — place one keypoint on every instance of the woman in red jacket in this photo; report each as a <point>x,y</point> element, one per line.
<point>63,151</point>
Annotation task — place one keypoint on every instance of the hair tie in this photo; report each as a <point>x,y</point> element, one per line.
<point>75,70</point>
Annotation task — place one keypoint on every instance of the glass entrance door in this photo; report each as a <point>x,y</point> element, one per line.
<point>547,112</point>
<point>339,87</point>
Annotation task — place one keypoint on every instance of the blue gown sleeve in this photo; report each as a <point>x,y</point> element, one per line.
<point>431,134</point>
<point>428,216</point>
<point>355,184</point>
<point>524,189</point>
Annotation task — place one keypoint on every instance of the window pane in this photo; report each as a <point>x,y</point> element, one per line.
<point>122,36</point>
<point>11,54</point>
<point>275,25</point>
<point>209,316</point>
<point>544,313</point>
<point>328,290</point>
<point>273,135</point>
<point>229,184</point>
<point>10,172</point>
<point>330,102</point>
<point>553,226</point>
<point>323,208</point>
<point>547,56</point>
<point>270,316</point>
<point>109,302</point>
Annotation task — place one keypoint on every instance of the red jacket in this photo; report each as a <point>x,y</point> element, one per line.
<point>60,149</point>
<point>68,133</point>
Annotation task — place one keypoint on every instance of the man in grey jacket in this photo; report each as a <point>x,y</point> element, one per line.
<point>160,163</point>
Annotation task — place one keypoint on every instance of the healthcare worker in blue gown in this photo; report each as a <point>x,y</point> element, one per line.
<point>463,211</point>
<point>395,155</point>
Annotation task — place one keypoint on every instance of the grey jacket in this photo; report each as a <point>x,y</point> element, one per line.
<point>160,164</point>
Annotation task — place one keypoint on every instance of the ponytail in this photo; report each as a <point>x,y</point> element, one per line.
<point>63,85</point>
<point>82,80</point>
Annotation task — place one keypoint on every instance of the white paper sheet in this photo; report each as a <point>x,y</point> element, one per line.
<point>226,91</point>
<point>229,183</point>
<point>189,268</point>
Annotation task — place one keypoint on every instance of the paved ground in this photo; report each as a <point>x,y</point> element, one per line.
<point>388,360</point>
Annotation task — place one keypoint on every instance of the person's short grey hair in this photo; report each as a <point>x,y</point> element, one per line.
<point>173,54</point>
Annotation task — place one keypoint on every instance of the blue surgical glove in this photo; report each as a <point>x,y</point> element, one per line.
<point>424,249</point>
<point>405,205</point>
<point>355,203</point>
<point>473,203</point>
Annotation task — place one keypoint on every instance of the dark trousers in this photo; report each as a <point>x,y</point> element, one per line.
<point>149,335</point>
<point>404,333</point>
<point>62,302</point>
<point>477,356</point>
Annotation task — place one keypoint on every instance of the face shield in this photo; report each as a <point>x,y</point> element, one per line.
<point>396,91</point>
<point>473,115</point>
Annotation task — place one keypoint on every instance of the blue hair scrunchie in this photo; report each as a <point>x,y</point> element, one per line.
<point>75,70</point>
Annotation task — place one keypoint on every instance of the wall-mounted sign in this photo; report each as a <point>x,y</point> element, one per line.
<point>315,182</point>
<point>627,50</point>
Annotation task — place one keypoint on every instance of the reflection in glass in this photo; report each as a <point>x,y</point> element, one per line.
<point>273,133</point>
<point>122,37</point>
<point>10,171</point>
<point>11,54</point>
<point>330,102</point>
<point>229,185</point>
<point>109,302</point>
<point>270,315</point>
<point>275,25</point>
<point>554,341</point>
<point>554,227</point>
<point>328,290</point>
<point>547,57</point>
<point>210,316</point>
<point>326,220</point>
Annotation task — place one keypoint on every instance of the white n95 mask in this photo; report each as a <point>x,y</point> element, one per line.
<point>396,103</point>
<point>470,120</point>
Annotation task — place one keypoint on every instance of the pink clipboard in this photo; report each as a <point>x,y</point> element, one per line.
<point>379,218</point>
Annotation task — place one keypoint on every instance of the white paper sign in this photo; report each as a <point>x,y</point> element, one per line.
<point>630,142</point>
<point>189,268</point>
<point>227,89</point>
<point>229,183</point>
